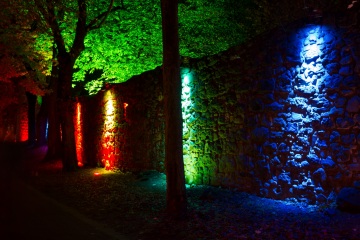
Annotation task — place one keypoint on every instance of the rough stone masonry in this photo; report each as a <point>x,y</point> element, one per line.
<point>278,116</point>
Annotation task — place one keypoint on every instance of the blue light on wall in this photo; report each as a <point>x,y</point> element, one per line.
<point>47,129</point>
<point>312,72</point>
<point>309,109</point>
<point>299,118</point>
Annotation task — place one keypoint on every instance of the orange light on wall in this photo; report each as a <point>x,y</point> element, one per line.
<point>79,134</point>
<point>125,106</point>
<point>108,141</point>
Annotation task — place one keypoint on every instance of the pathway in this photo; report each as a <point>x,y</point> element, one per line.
<point>25,213</point>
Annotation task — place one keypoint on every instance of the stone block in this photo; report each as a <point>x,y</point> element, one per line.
<point>348,200</point>
<point>354,167</point>
<point>353,104</point>
<point>346,71</point>
<point>333,81</point>
<point>328,162</point>
<point>260,135</point>
<point>332,68</point>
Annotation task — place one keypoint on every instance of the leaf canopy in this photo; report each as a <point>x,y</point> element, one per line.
<point>129,42</point>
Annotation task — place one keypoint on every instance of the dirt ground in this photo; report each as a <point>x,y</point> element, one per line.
<point>133,206</point>
<point>26,213</point>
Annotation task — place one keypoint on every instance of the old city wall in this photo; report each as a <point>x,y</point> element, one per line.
<point>278,116</point>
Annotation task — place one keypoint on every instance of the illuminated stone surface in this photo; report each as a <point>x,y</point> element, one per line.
<point>278,117</point>
<point>123,125</point>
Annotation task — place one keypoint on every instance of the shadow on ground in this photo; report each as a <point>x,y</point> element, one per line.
<point>28,214</point>
<point>133,206</point>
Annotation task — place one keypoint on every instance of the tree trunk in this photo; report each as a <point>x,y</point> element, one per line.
<point>69,159</point>
<point>54,138</point>
<point>31,118</point>
<point>174,164</point>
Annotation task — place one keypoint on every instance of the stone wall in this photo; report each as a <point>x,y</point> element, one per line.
<point>278,117</point>
<point>122,126</point>
<point>13,113</point>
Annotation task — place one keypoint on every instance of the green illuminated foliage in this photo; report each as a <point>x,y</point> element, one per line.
<point>19,59</point>
<point>130,41</point>
<point>207,27</point>
<point>128,44</point>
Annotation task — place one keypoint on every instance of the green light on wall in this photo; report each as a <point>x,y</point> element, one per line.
<point>190,156</point>
<point>185,101</point>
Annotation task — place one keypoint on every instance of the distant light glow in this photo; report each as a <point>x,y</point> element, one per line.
<point>352,4</point>
<point>24,127</point>
<point>96,174</point>
<point>47,129</point>
<point>39,100</point>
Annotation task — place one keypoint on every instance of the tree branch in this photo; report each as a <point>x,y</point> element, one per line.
<point>42,10</point>
<point>81,30</point>
<point>95,24</point>
<point>48,13</point>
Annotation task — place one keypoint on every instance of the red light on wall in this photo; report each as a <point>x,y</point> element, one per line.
<point>107,165</point>
<point>24,128</point>
<point>79,134</point>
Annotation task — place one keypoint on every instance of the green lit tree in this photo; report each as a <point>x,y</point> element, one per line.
<point>21,66</point>
<point>130,41</point>
<point>19,59</point>
<point>127,44</point>
<point>67,23</point>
